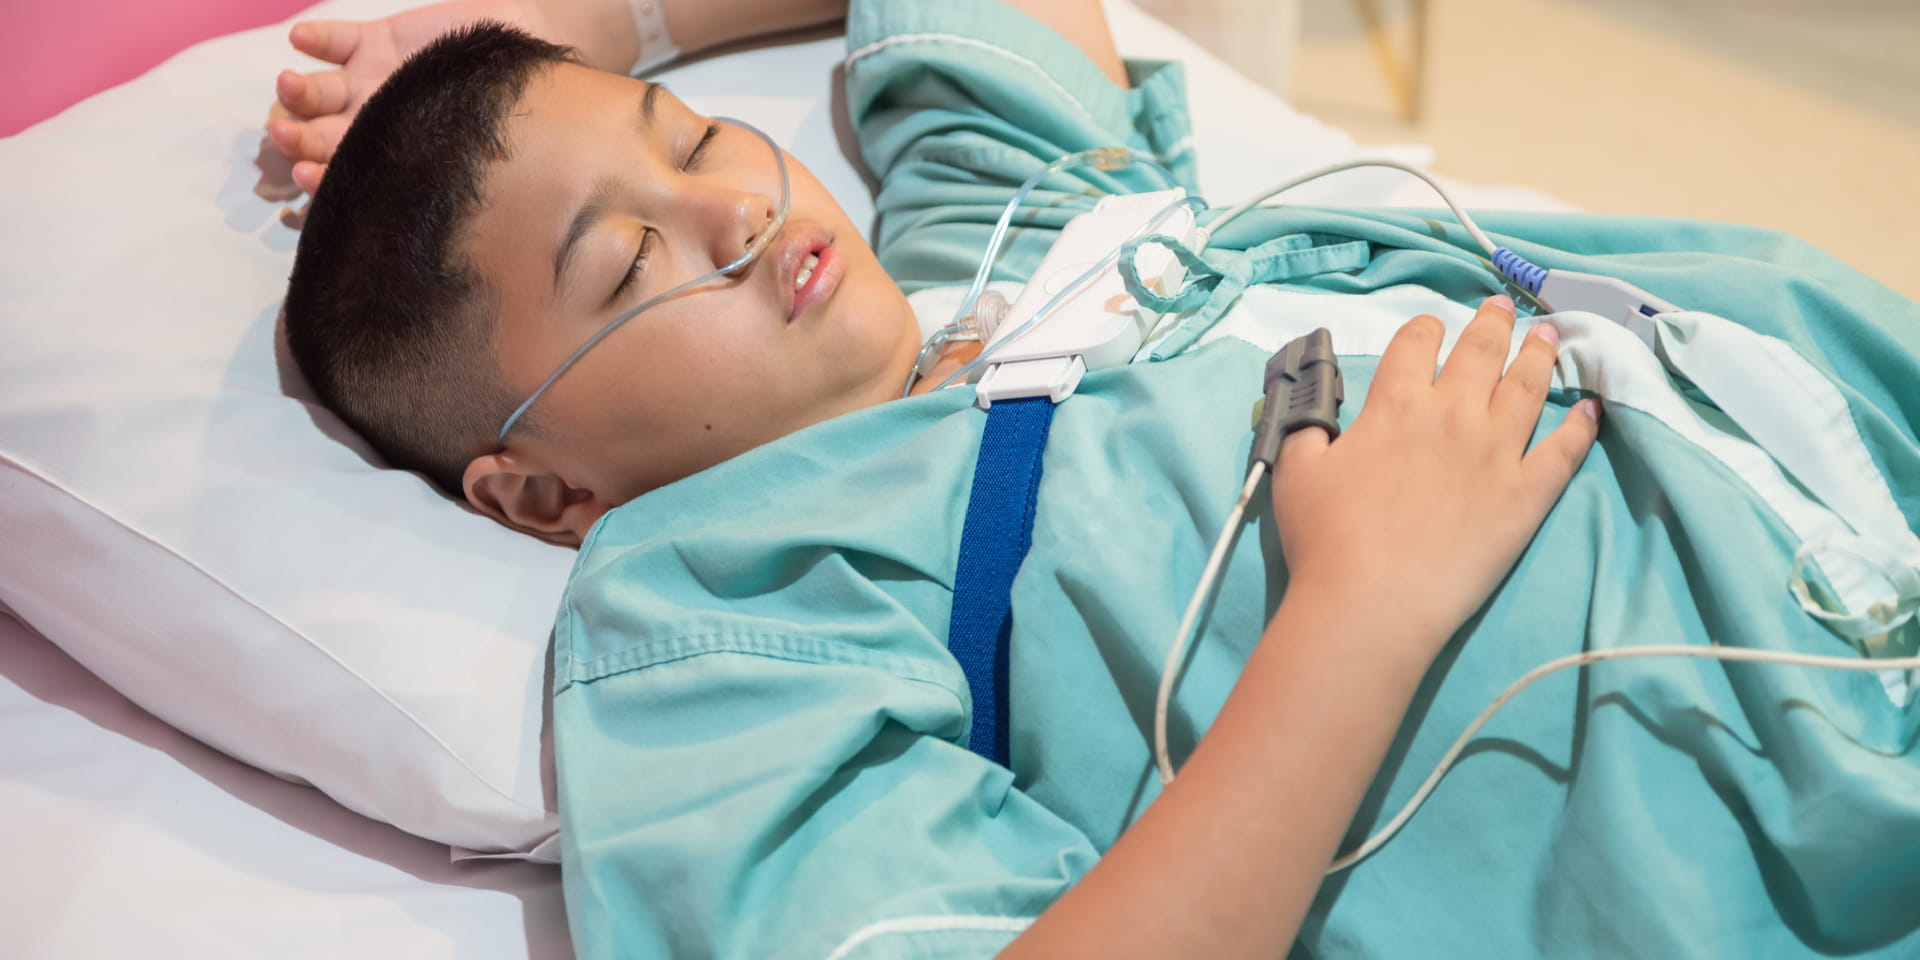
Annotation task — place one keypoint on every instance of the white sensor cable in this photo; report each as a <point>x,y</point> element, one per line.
<point>1229,532</point>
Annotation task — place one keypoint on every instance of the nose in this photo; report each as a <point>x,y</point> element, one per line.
<point>742,217</point>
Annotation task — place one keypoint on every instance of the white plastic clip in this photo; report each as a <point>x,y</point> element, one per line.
<point>1098,325</point>
<point>1617,300</point>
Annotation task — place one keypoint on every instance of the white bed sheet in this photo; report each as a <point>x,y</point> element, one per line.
<point>122,837</point>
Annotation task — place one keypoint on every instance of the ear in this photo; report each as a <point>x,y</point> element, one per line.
<point>521,495</point>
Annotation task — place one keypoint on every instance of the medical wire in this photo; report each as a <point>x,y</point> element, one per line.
<point>1046,310</point>
<point>755,247</point>
<point>1100,158</point>
<point>1170,670</point>
<point>1217,560</point>
<point>1494,252</point>
<point>1523,276</point>
<point>1509,267</point>
<point>1587,659</point>
<point>1473,229</point>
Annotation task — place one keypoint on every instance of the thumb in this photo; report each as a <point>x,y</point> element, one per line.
<point>1301,446</point>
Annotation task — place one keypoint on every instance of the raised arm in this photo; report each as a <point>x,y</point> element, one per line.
<point>314,109</point>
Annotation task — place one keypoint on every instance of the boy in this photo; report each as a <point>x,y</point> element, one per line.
<point>755,715</point>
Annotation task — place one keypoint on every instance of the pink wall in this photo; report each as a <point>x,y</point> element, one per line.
<point>55,53</point>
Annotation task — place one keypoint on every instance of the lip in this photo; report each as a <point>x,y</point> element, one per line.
<point>827,274</point>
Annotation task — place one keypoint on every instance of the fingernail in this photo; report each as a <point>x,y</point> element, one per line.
<point>1546,331</point>
<point>299,33</point>
<point>1590,407</point>
<point>1500,300</point>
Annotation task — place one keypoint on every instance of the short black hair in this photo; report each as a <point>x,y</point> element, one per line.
<point>387,318</point>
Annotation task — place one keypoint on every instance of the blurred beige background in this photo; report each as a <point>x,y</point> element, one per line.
<point>1801,115</point>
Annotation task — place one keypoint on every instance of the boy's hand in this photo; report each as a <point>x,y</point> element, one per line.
<point>1420,508</point>
<point>313,109</point>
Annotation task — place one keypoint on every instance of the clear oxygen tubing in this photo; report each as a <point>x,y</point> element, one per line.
<point>1114,155</point>
<point>755,247</point>
<point>1080,281</point>
<point>1100,158</point>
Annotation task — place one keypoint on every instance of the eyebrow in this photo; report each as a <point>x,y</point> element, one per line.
<point>598,200</point>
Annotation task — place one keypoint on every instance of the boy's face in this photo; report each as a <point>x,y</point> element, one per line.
<point>604,170</point>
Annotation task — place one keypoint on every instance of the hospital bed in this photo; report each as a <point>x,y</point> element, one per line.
<point>161,619</point>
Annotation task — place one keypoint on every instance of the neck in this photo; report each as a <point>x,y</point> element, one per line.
<point>952,357</point>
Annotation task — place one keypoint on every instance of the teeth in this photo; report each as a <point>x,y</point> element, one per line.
<point>806,271</point>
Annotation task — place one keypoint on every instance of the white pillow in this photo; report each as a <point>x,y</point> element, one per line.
<point>180,517</point>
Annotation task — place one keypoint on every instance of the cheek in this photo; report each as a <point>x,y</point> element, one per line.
<point>719,357</point>
<point>811,199</point>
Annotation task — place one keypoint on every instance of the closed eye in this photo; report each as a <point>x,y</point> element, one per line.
<point>700,149</point>
<point>639,263</point>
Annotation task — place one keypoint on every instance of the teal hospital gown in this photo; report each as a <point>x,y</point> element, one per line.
<point>760,732</point>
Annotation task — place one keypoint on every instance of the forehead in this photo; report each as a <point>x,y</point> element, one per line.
<point>571,128</point>
<point>566,108</point>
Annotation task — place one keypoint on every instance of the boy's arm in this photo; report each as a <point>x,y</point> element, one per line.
<point>1084,24</point>
<point>1393,535</point>
<point>314,109</point>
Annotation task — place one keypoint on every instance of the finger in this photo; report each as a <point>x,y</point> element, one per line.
<point>1551,464</point>
<point>1298,454</point>
<point>312,140</point>
<point>285,134</point>
<point>307,175</point>
<point>312,94</point>
<point>1474,365</point>
<point>330,40</point>
<point>1301,446</point>
<point>1408,362</point>
<point>1523,391</point>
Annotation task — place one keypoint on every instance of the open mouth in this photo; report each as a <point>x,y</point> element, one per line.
<point>806,271</point>
<point>816,275</point>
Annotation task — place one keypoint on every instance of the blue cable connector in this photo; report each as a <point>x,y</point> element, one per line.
<point>1516,268</point>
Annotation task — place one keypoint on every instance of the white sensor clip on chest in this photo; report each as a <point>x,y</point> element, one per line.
<point>1095,323</point>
